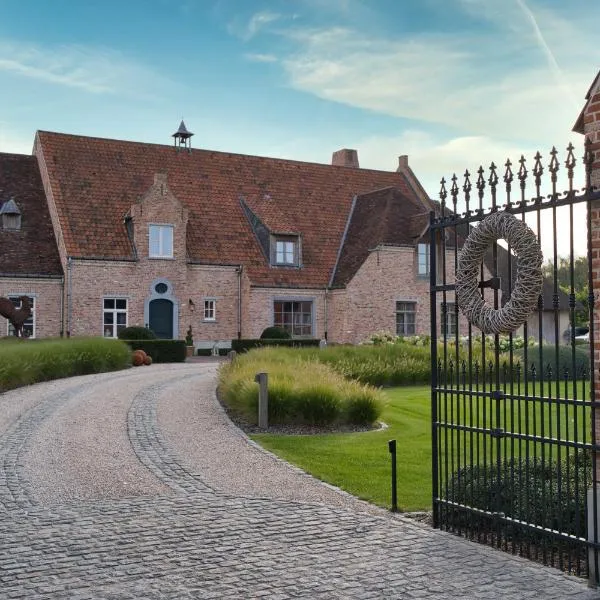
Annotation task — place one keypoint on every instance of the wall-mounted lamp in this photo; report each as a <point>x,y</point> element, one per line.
<point>191,305</point>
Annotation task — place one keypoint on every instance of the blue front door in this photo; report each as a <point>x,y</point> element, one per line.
<point>161,318</point>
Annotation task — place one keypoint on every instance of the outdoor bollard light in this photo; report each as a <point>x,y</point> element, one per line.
<point>263,400</point>
<point>392,449</point>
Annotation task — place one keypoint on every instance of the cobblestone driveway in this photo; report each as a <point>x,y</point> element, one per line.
<point>103,495</point>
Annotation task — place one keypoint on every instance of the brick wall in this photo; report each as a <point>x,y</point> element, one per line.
<point>47,293</point>
<point>92,281</point>
<point>260,301</point>
<point>368,304</point>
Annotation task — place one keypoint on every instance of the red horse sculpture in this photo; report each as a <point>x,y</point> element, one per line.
<point>17,316</point>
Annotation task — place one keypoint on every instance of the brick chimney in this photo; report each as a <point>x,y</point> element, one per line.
<point>402,162</point>
<point>345,158</point>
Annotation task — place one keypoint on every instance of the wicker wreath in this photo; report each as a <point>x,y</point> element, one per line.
<point>528,285</point>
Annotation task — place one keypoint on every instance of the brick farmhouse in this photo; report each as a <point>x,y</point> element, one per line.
<point>103,233</point>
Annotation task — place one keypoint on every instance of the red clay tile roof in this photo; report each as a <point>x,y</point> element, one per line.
<point>95,181</point>
<point>31,250</point>
<point>387,216</point>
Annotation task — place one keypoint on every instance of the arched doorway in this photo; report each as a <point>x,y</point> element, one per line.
<point>161,310</point>
<point>161,318</point>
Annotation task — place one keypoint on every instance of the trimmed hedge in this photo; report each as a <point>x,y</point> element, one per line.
<point>248,344</point>
<point>161,351</point>
<point>136,332</point>
<point>527,491</point>
<point>25,362</point>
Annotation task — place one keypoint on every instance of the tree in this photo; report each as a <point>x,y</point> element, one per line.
<point>578,280</point>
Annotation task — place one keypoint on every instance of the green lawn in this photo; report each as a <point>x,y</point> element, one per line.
<point>360,462</point>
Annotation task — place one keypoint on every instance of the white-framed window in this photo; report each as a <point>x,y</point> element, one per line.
<point>114,316</point>
<point>423,260</point>
<point>449,319</point>
<point>405,318</point>
<point>294,316</point>
<point>160,241</point>
<point>29,324</point>
<point>210,309</point>
<point>285,251</point>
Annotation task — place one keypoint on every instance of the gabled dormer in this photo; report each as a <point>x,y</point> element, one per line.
<point>157,223</point>
<point>10,216</point>
<point>285,250</point>
<point>280,248</point>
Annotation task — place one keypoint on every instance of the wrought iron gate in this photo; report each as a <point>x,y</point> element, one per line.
<point>513,417</point>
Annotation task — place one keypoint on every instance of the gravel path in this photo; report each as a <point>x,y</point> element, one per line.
<point>136,485</point>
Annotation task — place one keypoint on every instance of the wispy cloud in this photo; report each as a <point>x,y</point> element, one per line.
<point>93,70</point>
<point>547,50</point>
<point>246,29</point>
<point>492,82</point>
<point>261,58</point>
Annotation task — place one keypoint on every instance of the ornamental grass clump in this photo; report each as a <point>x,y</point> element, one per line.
<point>301,391</point>
<point>32,361</point>
<point>378,365</point>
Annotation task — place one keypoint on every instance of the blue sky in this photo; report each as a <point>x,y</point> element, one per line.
<point>451,83</point>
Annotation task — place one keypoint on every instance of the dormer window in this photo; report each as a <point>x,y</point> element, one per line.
<point>11,216</point>
<point>285,251</point>
<point>160,241</point>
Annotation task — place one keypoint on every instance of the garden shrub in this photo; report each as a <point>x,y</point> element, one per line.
<point>275,333</point>
<point>161,351</point>
<point>136,333</point>
<point>300,391</point>
<point>527,490</point>
<point>28,361</point>
<point>545,366</point>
